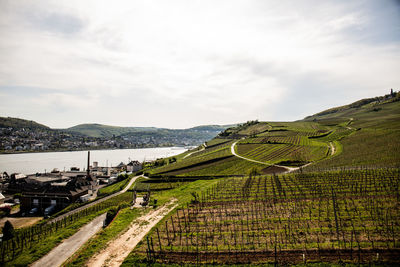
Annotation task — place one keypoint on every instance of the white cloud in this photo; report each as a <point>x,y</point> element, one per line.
<point>201,61</point>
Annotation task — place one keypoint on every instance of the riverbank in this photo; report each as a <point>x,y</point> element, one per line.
<point>83,149</point>
<point>64,160</point>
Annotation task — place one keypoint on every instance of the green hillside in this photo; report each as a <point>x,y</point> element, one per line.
<point>333,196</point>
<point>371,133</point>
<point>100,130</point>
<point>364,133</point>
<point>16,123</point>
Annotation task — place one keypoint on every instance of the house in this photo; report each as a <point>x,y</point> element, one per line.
<point>61,194</point>
<point>134,166</point>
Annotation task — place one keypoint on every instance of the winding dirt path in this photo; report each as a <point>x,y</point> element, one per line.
<point>288,169</point>
<point>252,160</point>
<point>118,249</point>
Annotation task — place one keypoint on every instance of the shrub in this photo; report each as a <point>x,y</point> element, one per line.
<point>8,231</point>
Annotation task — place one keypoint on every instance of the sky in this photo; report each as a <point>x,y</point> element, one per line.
<point>179,64</point>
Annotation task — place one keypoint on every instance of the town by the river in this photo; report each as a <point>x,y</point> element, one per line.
<point>29,163</point>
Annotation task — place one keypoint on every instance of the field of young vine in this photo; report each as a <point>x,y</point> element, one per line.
<point>198,160</point>
<point>275,153</point>
<point>338,216</point>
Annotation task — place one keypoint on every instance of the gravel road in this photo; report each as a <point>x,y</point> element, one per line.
<point>69,246</point>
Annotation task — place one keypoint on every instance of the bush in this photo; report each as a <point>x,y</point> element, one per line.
<point>122,177</point>
<point>111,213</point>
<point>8,231</point>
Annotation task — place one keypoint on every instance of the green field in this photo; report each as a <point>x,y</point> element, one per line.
<point>268,145</point>
<point>340,207</point>
<point>349,216</point>
<point>364,133</point>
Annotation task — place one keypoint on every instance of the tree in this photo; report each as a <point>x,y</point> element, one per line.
<point>8,231</point>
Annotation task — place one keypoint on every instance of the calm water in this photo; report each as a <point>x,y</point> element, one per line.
<point>29,163</point>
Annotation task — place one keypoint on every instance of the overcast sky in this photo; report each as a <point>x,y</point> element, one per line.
<point>179,64</point>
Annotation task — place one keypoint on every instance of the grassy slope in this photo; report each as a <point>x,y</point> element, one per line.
<point>100,130</point>
<point>100,240</point>
<point>270,143</point>
<point>20,123</point>
<point>126,216</point>
<point>183,194</point>
<point>373,141</point>
<point>363,133</point>
<point>113,188</point>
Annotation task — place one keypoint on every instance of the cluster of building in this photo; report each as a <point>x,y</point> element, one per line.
<point>156,140</point>
<point>48,192</point>
<point>25,139</point>
<point>38,139</point>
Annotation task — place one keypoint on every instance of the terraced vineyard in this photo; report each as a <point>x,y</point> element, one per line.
<point>289,144</point>
<point>275,153</point>
<point>331,209</point>
<point>349,216</point>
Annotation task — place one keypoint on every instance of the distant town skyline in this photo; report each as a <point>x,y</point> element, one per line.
<point>179,64</point>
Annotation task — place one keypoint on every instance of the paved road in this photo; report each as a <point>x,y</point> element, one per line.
<point>68,247</point>
<point>332,148</point>
<point>133,179</point>
<point>202,148</point>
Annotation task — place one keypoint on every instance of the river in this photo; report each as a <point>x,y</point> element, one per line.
<point>29,163</point>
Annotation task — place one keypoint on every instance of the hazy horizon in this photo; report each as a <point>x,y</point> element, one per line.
<point>180,64</point>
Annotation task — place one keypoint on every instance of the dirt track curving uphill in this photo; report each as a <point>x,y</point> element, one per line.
<point>118,249</point>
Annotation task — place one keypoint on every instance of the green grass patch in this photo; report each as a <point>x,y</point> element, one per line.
<point>124,218</point>
<point>113,188</point>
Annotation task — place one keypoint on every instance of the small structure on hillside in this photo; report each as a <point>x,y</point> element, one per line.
<point>133,166</point>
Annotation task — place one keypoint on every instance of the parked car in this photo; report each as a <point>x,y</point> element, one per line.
<point>33,211</point>
<point>49,210</point>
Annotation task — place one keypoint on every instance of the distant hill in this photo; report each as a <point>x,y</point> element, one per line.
<point>21,123</point>
<point>18,135</point>
<point>99,130</point>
